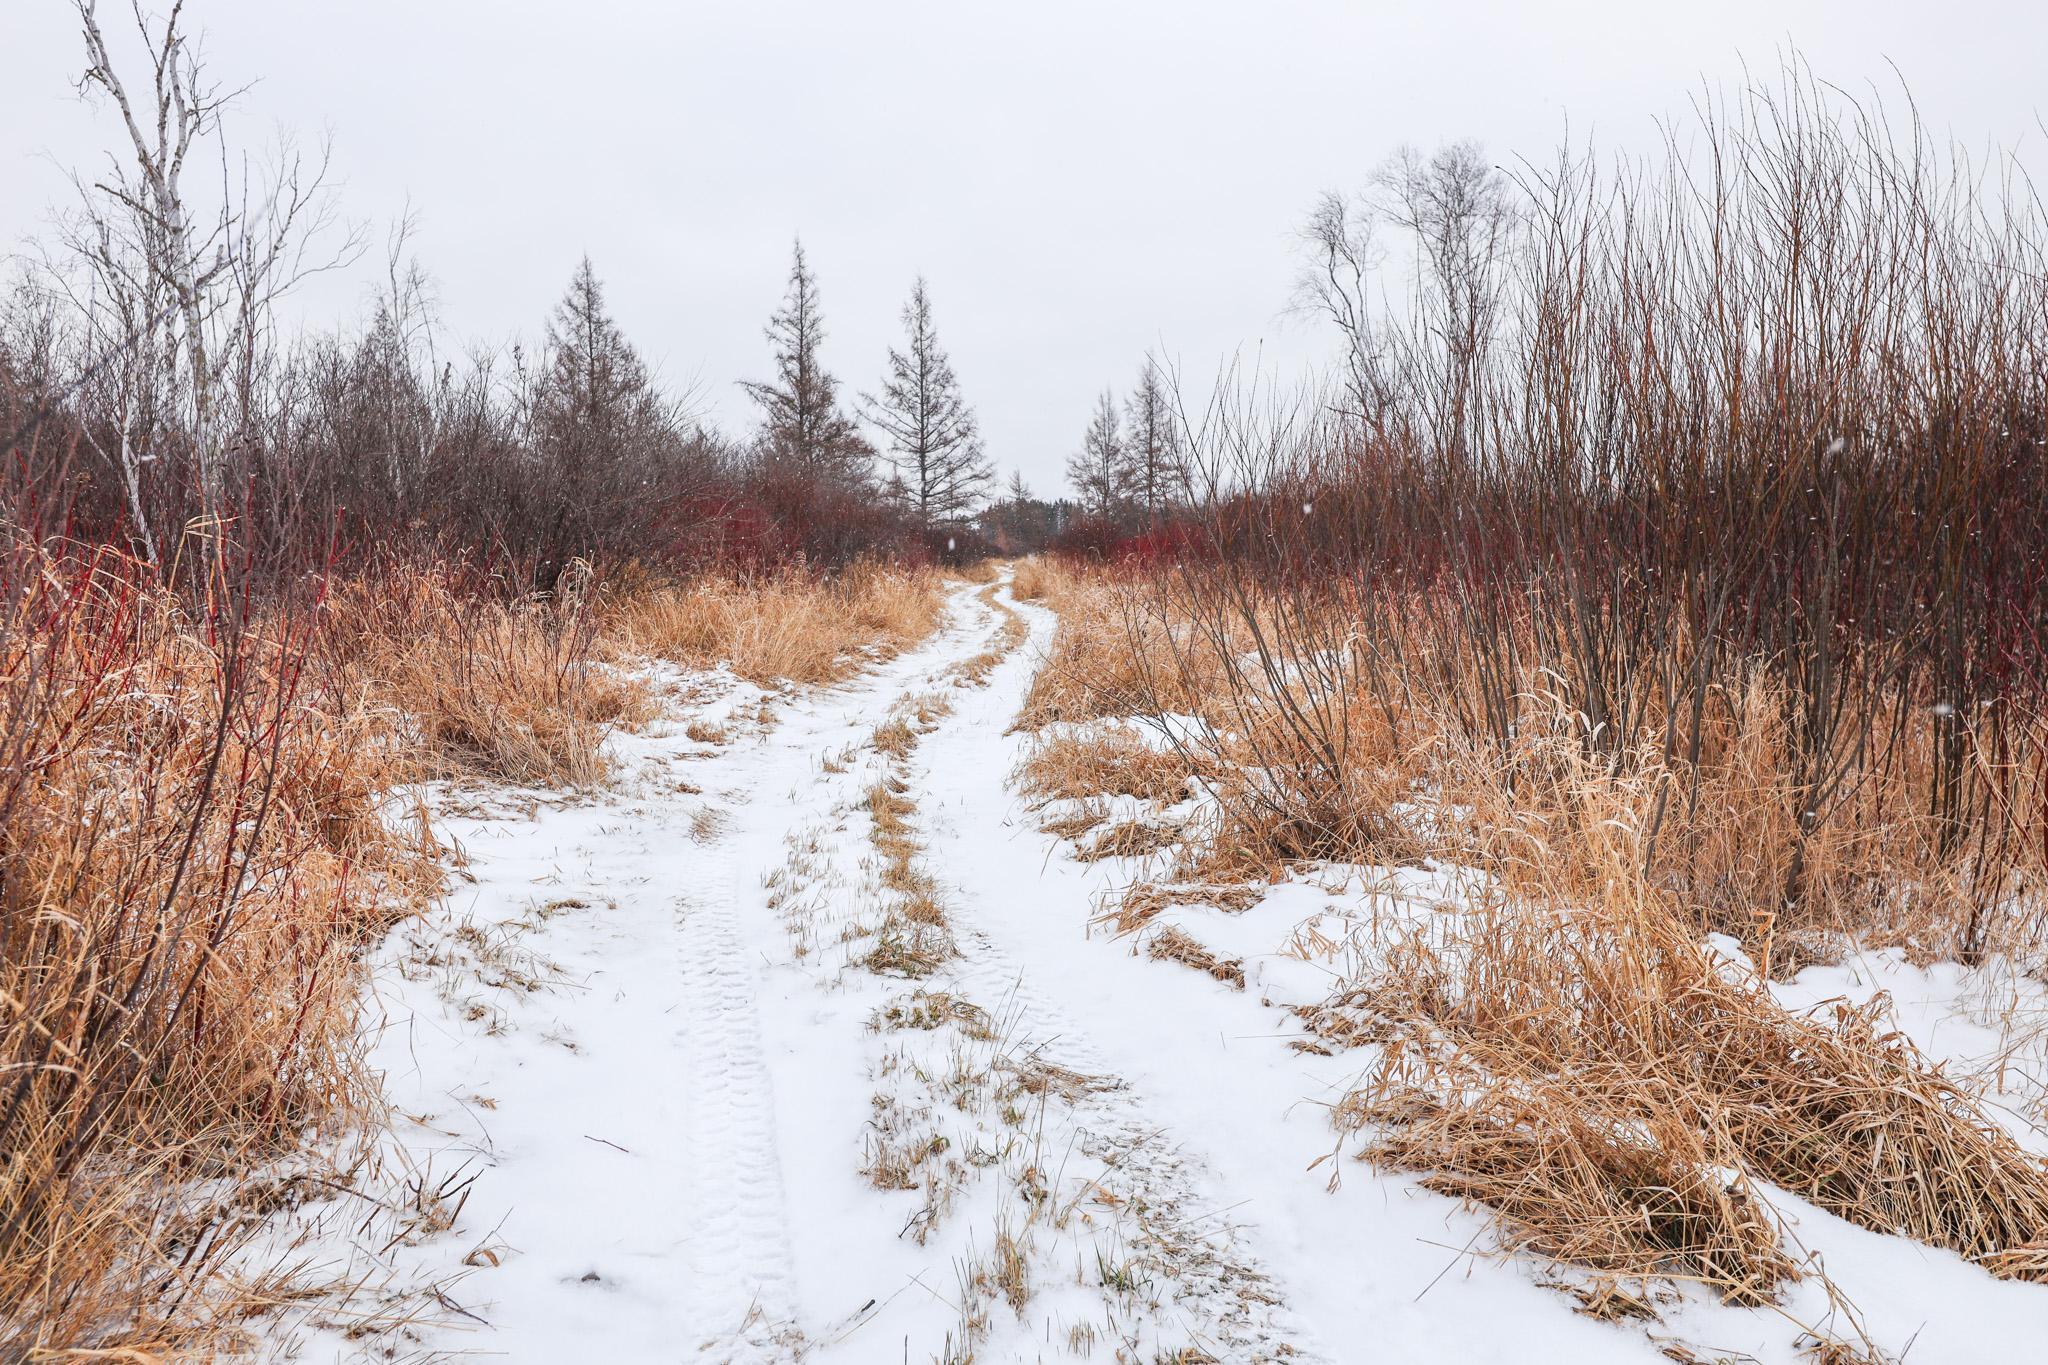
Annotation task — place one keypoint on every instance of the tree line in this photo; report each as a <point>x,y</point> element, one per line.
<point>144,386</point>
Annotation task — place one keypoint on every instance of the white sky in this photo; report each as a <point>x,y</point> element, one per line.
<point>1081,182</point>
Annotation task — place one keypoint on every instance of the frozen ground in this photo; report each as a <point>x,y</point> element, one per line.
<point>649,1102</point>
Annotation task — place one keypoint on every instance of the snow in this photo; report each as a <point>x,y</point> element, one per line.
<point>643,1032</point>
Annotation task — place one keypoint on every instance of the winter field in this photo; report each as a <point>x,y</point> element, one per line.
<point>1509,825</point>
<point>830,1030</point>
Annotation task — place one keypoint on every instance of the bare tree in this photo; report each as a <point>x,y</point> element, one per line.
<point>934,444</point>
<point>177,293</point>
<point>397,364</point>
<point>1459,210</point>
<point>1335,282</point>
<point>803,424</point>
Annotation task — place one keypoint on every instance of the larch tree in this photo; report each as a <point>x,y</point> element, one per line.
<point>934,443</point>
<point>1151,448</point>
<point>802,423</point>
<point>1098,470</point>
<point>596,399</point>
<point>596,415</point>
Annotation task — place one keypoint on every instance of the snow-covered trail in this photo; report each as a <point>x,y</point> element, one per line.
<point>666,1102</point>
<point>665,1107</point>
<point>661,1099</point>
<point>583,1034</point>
<point>1362,1268</point>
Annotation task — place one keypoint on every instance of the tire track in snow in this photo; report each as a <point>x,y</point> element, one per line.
<point>738,1279</point>
<point>1221,1283</point>
<point>1179,1216</point>
<point>740,1275</point>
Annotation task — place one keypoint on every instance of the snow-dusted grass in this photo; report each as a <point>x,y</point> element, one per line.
<point>671,1085</point>
<point>1778,1087</point>
<point>790,626</point>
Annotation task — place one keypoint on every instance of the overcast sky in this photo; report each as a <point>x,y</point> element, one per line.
<point>1081,182</point>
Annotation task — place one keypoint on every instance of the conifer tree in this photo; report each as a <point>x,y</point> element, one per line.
<point>598,423</point>
<point>1098,470</point>
<point>802,423</point>
<point>1152,458</point>
<point>596,403</point>
<point>934,445</point>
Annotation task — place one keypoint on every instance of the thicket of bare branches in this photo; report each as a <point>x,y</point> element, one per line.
<point>145,339</point>
<point>1668,558</point>
<point>1746,448</point>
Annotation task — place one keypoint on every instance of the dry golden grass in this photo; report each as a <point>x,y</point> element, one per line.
<point>790,626</point>
<point>1112,654</point>
<point>1029,578</point>
<point>1076,765</point>
<point>1130,839</point>
<point>1561,1061</point>
<point>1309,762</point>
<point>1176,945</point>
<point>1721,844</point>
<point>913,937</point>
<point>501,690</point>
<point>1573,1184</point>
<point>1295,808</point>
<point>1300,767</point>
<point>198,840</point>
<point>704,732</point>
<point>1145,899</point>
<point>1572,1054</point>
<point>907,722</point>
<point>980,571</point>
<point>1075,823</point>
<point>196,844</point>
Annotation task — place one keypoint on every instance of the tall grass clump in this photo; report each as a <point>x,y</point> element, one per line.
<point>787,625</point>
<point>193,845</point>
<point>1593,1070</point>
<point>504,687</point>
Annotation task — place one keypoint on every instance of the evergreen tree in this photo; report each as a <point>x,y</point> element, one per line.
<point>802,423</point>
<point>934,444</point>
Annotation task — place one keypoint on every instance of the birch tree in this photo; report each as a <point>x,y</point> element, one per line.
<point>176,287</point>
<point>1459,211</point>
<point>934,443</point>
